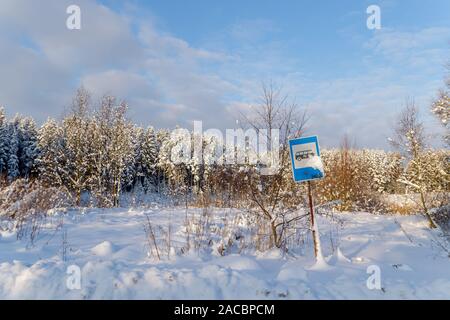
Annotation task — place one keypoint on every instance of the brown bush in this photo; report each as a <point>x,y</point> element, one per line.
<point>22,199</point>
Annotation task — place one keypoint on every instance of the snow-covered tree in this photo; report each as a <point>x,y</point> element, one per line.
<point>149,158</point>
<point>52,156</point>
<point>114,147</point>
<point>28,146</point>
<point>3,143</point>
<point>78,146</point>
<point>13,150</point>
<point>441,109</point>
<point>133,173</point>
<point>410,141</point>
<point>429,170</point>
<point>162,136</point>
<point>171,160</point>
<point>382,168</point>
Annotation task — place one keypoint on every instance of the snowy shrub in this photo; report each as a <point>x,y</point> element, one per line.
<point>382,169</point>
<point>360,179</point>
<point>12,194</point>
<point>153,248</point>
<point>442,217</point>
<point>345,178</point>
<point>177,174</point>
<point>199,231</point>
<point>402,203</point>
<point>430,169</point>
<point>22,199</point>
<point>235,232</point>
<point>28,203</point>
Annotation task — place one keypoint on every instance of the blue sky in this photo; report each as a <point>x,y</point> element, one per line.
<point>316,33</point>
<point>179,61</point>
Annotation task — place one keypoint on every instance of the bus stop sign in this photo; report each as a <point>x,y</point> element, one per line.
<point>305,157</point>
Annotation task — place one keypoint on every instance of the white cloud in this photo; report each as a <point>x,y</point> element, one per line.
<point>121,83</point>
<point>161,74</point>
<point>411,47</point>
<point>167,81</point>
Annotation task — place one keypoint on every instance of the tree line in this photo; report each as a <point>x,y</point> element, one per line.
<point>98,152</point>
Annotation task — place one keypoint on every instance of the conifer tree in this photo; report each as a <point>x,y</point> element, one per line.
<point>13,151</point>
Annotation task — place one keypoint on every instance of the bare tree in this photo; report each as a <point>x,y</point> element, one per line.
<point>269,194</point>
<point>410,141</point>
<point>441,107</point>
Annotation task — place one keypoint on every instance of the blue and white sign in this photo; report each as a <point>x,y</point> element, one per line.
<point>305,158</point>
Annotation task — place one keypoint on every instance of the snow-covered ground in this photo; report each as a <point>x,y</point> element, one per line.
<point>111,250</point>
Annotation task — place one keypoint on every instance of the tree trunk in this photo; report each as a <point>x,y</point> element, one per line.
<point>276,240</point>
<point>425,209</point>
<point>78,200</point>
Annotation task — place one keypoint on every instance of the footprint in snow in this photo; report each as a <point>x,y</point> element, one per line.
<point>402,267</point>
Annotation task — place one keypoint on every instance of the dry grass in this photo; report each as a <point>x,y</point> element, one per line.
<point>28,203</point>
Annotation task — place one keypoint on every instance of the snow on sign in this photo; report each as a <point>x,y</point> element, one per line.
<point>305,158</point>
